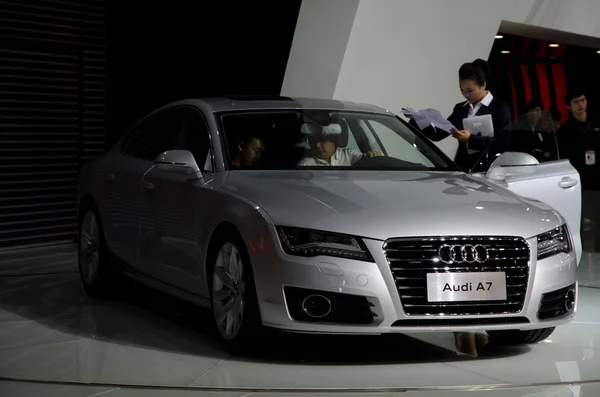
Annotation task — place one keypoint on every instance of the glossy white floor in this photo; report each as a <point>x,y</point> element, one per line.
<point>51,332</point>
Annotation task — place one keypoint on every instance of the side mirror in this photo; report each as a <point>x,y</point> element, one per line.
<point>179,161</point>
<point>512,163</point>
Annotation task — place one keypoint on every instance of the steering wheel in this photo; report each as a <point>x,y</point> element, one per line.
<point>385,162</point>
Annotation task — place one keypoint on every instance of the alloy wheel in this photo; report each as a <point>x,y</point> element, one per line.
<point>229,291</point>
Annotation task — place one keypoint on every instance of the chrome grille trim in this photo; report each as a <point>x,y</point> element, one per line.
<point>410,259</point>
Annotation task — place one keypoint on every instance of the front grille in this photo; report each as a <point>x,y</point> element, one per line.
<point>411,259</point>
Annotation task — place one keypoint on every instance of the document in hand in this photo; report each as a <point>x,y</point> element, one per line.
<point>430,117</point>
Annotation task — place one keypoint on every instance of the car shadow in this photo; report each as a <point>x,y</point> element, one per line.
<point>141,317</point>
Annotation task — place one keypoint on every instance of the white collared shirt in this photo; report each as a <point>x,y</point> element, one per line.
<point>474,109</point>
<point>343,157</point>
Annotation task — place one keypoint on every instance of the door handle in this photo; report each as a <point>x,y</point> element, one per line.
<point>110,177</point>
<point>567,183</point>
<point>148,186</point>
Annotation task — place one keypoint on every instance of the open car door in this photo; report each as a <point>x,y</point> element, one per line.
<point>530,165</point>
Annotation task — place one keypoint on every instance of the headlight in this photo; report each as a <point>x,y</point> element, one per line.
<point>305,242</point>
<point>554,242</point>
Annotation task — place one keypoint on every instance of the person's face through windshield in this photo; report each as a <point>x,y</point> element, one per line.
<point>323,148</point>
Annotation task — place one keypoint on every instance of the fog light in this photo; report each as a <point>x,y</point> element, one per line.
<point>570,299</point>
<point>316,306</point>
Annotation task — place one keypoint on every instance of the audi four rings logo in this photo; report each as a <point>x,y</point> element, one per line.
<point>463,253</point>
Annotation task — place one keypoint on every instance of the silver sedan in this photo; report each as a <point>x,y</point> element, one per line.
<point>321,216</point>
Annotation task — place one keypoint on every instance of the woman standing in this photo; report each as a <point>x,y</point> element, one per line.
<point>472,79</point>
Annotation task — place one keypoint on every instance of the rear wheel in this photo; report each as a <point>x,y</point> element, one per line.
<point>94,266</point>
<point>518,337</point>
<point>234,302</point>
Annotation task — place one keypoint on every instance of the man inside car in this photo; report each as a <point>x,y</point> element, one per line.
<point>248,152</point>
<point>325,150</point>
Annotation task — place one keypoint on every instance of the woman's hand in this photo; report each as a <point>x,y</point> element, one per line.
<point>461,135</point>
<point>408,116</point>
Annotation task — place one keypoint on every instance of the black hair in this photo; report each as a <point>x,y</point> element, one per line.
<point>572,94</point>
<point>535,103</point>
<point>478,71</point>
<point>246,140</point>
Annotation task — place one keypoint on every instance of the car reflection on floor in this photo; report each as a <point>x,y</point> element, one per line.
<point>51,331</point>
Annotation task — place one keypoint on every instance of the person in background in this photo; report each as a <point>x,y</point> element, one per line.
<point>579,141</point>
<point>473,79</point>
<point>535,107</point>
<point>534,134</point>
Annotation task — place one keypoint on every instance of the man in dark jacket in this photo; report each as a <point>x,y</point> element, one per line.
<point>579,140</point>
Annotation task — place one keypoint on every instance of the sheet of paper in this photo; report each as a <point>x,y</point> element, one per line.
<point>430,117</point>
<point>437,120</point>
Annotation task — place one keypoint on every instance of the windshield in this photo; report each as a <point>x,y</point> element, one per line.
<point>533,133</point>
<point>325,139</point>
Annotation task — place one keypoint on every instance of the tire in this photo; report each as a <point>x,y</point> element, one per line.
<point>517,337</point>
<point>234,303</point>
<point>95,271</point>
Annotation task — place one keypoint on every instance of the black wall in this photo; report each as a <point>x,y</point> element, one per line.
<point>76,74</point>
<point>169,50</point>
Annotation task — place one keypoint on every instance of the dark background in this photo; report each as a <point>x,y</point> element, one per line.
<point>533,69</point>
<point>76,74</point>
<point>168,50</point>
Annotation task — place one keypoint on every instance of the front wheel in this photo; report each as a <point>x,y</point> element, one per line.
<point>518,337</point>
<point>234,301</point>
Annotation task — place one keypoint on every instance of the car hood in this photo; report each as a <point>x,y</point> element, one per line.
<point>383,204</point>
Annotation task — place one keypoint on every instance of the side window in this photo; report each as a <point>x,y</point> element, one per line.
<point>152,137</point>
<point>531,133</point>
<point>195,137</point>
<point>180,128</point>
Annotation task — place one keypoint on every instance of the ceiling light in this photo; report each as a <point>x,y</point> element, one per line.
<point>499,36</point>
<point>553,45</point>
<point>506,52</point>
<point>598,52</point>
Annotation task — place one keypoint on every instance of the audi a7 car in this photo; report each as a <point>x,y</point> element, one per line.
<point>322,216</point>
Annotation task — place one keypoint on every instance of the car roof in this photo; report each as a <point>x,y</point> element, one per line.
<point>235,103</point>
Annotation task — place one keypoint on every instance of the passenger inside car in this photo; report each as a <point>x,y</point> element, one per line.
<point>328,146</point>
<point>248,152</point>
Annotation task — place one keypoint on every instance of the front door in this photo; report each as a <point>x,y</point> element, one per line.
<point>558,185</point>
<point>554,181</point>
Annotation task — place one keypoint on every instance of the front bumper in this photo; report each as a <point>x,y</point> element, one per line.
<point>365,288</point>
